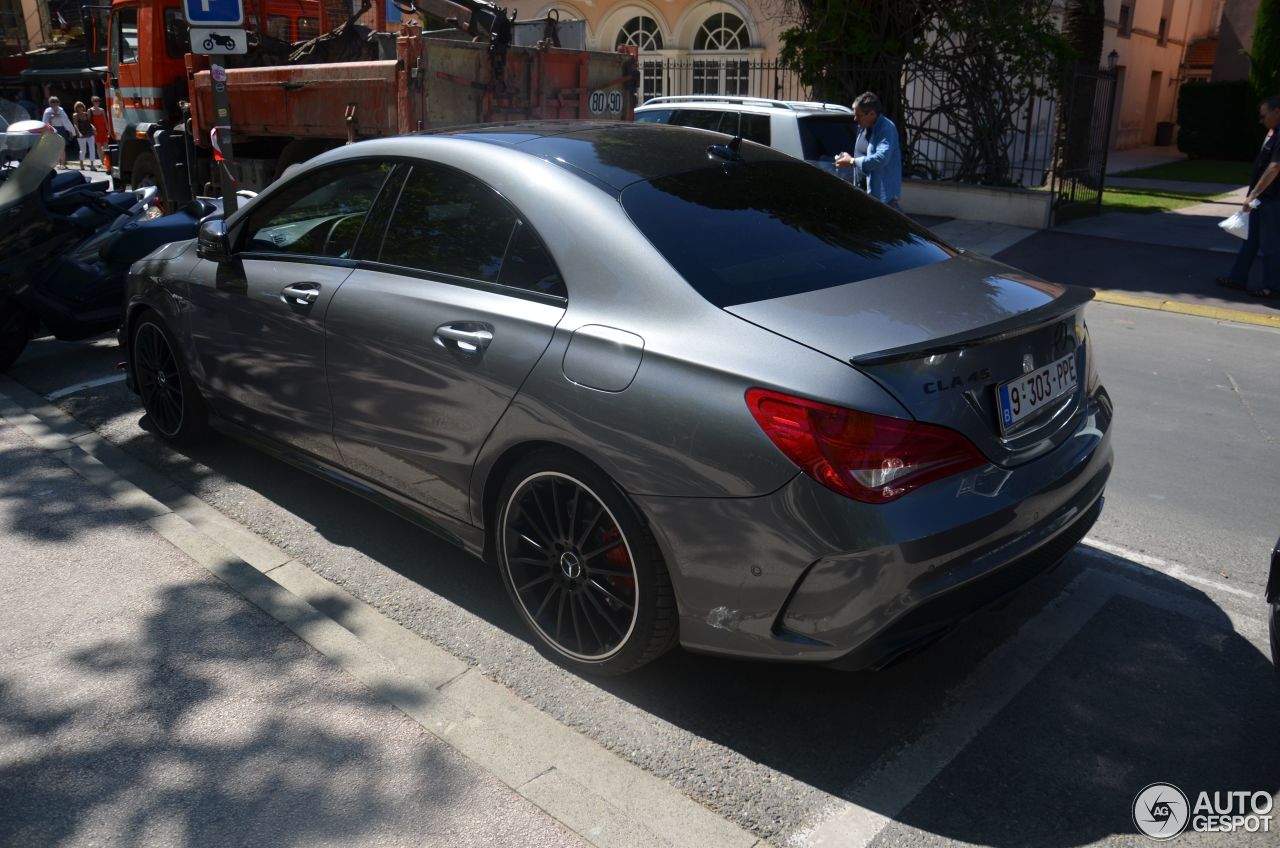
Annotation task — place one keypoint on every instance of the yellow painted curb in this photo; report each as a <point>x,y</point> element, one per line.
<point>1220,313</point>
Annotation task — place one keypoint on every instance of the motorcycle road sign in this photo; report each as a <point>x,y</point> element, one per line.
<point>218,42</point>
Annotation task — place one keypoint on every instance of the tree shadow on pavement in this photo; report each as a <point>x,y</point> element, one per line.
<point>207,725</point>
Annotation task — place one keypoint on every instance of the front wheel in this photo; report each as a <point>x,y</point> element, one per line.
<point>168,393</point>
<point>582,568</point>
<point>15,332</point>
<point>208,44</point>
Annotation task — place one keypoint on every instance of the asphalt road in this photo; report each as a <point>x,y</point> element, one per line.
<point>1035,723</point>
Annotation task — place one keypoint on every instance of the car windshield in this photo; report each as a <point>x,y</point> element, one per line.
<point>743,233</point>
<point>826,136</point>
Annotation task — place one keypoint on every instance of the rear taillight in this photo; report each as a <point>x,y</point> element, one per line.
<point>871,458</point>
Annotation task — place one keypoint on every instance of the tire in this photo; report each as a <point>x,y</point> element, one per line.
<point>208,44</point>
<point>146,172</point>
<point>561,523</point>
<point>170,397</point>
<point>15,331</point>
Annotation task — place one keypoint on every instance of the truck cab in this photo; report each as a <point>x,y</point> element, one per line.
<point>147,77</point>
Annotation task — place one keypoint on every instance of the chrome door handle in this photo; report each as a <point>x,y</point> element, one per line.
<point>301,292</point>
<point>464,341</point>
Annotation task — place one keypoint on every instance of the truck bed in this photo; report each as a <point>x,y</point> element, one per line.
<point>433,83</point>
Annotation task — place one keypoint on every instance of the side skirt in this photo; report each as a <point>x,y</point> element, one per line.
<point>466,536</point>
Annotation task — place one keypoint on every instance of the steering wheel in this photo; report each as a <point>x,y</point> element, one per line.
<point>342,235</point>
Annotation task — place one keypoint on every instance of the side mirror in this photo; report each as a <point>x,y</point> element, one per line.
<point>211,242</point>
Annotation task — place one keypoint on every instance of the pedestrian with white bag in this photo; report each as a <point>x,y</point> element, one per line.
<point>1258,221</point>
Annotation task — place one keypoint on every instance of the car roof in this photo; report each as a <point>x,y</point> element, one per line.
<point>612,155</point>
<point>753,104</point>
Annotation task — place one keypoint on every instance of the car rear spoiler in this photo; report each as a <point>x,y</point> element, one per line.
<point>1072,298</point>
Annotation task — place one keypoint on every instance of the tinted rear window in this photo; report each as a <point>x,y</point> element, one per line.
<point>827,136</point>
<point>740,234</point>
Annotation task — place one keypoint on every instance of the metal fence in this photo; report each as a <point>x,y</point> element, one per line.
<point>1089,106</point>
<point>716,76</point>
<point>949,134</point>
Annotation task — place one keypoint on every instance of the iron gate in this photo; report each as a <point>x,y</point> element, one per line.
<point>1084,134</point>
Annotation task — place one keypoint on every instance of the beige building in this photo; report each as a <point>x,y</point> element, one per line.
<point>687,46</point>
<point>1158,45</point>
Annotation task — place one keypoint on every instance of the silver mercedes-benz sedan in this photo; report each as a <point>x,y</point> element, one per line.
<point>679,390</point>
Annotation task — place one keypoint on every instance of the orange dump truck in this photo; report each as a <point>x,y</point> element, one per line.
<point>161,100</point>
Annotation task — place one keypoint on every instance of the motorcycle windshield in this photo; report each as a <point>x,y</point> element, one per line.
<point>35,166</point>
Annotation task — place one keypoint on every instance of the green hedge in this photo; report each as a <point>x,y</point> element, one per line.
<point>1219,120</point>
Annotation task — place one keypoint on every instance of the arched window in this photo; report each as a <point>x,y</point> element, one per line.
<point>722,31</point>
<point>642,31</point>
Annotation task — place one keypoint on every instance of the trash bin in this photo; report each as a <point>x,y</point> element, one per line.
<point>1164,134</point>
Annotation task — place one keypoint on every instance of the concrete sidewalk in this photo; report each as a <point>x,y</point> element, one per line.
<point>169,677</point>
<point>144,702</point>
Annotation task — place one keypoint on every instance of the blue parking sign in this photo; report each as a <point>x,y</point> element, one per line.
<point>225,13</point>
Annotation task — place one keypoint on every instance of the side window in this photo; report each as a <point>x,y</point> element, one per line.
<point>654,116</point>
<point>756,128</point>
<point>308,28</point>
<point>176,40</point>
<point>278,26</point>
<point>529,266</point>
<point>320,214</point>
<point>124,42</point>
<point>448,223</point>
<point>702,119</point>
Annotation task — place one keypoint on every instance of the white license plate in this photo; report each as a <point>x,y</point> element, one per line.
<point>1035,390</point>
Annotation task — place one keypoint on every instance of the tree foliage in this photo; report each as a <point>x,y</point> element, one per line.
<point>1082,26</point>
<point>842,48</point>
<point>983,65</point>
<point>1264,64</point>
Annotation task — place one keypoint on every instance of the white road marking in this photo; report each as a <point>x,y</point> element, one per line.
<point>1172,569</point>
<point>70,390</point>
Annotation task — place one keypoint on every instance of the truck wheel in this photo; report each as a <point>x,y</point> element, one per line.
<point>146,172</point>
<point>15,332</point>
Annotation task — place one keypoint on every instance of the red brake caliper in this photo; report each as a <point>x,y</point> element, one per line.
<point>618,560</point>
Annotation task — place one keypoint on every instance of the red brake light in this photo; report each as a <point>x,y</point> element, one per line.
<point>870,458</point>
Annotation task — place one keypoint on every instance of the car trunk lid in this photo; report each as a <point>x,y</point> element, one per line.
<point>942,338</point>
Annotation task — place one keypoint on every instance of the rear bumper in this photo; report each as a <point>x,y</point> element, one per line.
<point>931,619</point>
<point>807,575</point>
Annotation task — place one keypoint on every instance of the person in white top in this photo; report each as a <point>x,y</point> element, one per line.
<point>57,117</point>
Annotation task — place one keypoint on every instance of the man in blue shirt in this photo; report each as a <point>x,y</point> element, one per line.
<point>883,162</point>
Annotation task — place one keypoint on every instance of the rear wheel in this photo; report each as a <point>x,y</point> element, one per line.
<point>16,327</point>
<point>581,567</point>
<point>146,172</point>
<point>169,395</point>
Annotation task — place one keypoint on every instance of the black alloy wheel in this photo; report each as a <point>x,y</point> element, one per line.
<point>582,568</point>
<point>168,395</point>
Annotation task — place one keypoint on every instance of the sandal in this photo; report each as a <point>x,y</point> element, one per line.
<point>1228,283</point>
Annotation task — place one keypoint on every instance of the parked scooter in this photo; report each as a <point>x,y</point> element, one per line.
<point>66,248</point>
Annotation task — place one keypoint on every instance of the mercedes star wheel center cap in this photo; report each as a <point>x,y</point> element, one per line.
<point>571,565</point>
